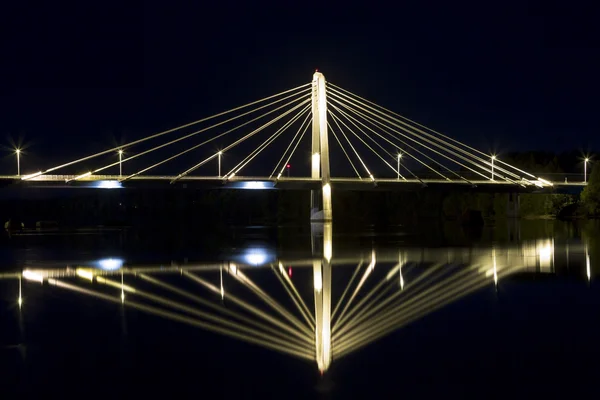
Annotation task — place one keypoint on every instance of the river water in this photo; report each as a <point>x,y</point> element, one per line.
<point>302,312</point>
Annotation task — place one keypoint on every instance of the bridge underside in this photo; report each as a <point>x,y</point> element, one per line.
<point>289,183</point>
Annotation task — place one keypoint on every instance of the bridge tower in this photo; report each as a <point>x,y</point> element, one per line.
<point>320,207</point>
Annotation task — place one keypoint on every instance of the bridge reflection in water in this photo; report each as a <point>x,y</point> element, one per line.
<point>382,290</point>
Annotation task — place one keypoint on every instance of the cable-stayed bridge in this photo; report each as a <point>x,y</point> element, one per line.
<point>316,136</point>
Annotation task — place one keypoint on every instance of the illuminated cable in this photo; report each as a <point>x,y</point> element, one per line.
<point>446,144</point>
<point>348,285</point>
<point>283,166</point>
<point>184,319</point>
<point>266,143</point>
<point>254,310</point>
<point>336,119</point>
<point>351,146</point>
<point>343,149</point>
<point>294,295</point>
<point>404,151</point>
<point>218,308</point>
<point>122,147</point>
<point>239,141</point>
<point>369,147</point>
<point>205,315</point>
<point>242,278</point>
<point>291,143</point>
<point>405,144</point>
<point>445,148</point>
<point>429,129</point>
<point>200,131</point>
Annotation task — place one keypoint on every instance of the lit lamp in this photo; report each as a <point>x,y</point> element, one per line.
<point>220,153</point>
<point>18,153</point>
<point>585,163</point>
<point>120,163</point>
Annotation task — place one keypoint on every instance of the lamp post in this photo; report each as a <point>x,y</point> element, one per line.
<point>120,163</point>
<point>18,152</point>
<point>493,159</point>
<point>585,163</point>
<point>398,170</point>
<point>220,153</point>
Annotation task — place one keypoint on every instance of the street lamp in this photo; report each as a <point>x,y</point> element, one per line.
<point>585,163</point>
<point>398,170</point>
<point>220,153</point>
<point>493,159</point>
<point>18,152</point>
<point>120,163</point>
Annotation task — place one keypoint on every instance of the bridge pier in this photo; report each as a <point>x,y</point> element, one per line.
<point>320,207</point>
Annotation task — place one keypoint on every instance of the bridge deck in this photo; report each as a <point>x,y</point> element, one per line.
<point>288,183</point>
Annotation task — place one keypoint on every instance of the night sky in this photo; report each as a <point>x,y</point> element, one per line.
<point>84,78</point>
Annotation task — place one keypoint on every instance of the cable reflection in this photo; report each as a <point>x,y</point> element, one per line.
<point>396,288</point>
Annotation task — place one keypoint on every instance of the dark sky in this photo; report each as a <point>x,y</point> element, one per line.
<point>79,79</point>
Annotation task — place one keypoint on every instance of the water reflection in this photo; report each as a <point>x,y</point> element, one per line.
<point>304,314</point>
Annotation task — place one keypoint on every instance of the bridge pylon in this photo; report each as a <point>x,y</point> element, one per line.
<point>320,207</point>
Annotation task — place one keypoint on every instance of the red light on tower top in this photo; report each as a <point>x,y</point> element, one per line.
<point>288,166</point>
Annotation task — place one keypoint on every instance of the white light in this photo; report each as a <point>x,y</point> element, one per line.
<point>18,151</point>
<point>120,152</point>
<point>587,160</point>
<point>545,254</point>
<point>588,268</point>
<point>80,176</point>
<point>318,281</point>
<point>327,249</point>
<point>232,175</point>
<point>373,262</point>
<point>84,273</point>
<point>545,181</point>
<point>255,257</point>
<point>25,177</point>
<point>399,156</point>
<point>219,153</point>
<point>33,276</point>
<point>493,158</point>
<point>233,268</point>
<point>110,264</point>
<point>255,185</point>
<point>279,175</point>
<point>20,301</point>
<point>108,185</point>
<point>327,189</point>
<point>316,165</point>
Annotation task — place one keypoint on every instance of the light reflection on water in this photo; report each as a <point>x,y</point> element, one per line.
<point>304,314</point>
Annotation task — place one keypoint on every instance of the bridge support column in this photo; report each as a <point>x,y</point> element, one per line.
<point>513,206</point>
<point>320,208</point>
<point>322,292</point>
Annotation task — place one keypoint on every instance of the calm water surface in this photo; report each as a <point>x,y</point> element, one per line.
<point>509,310</point>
